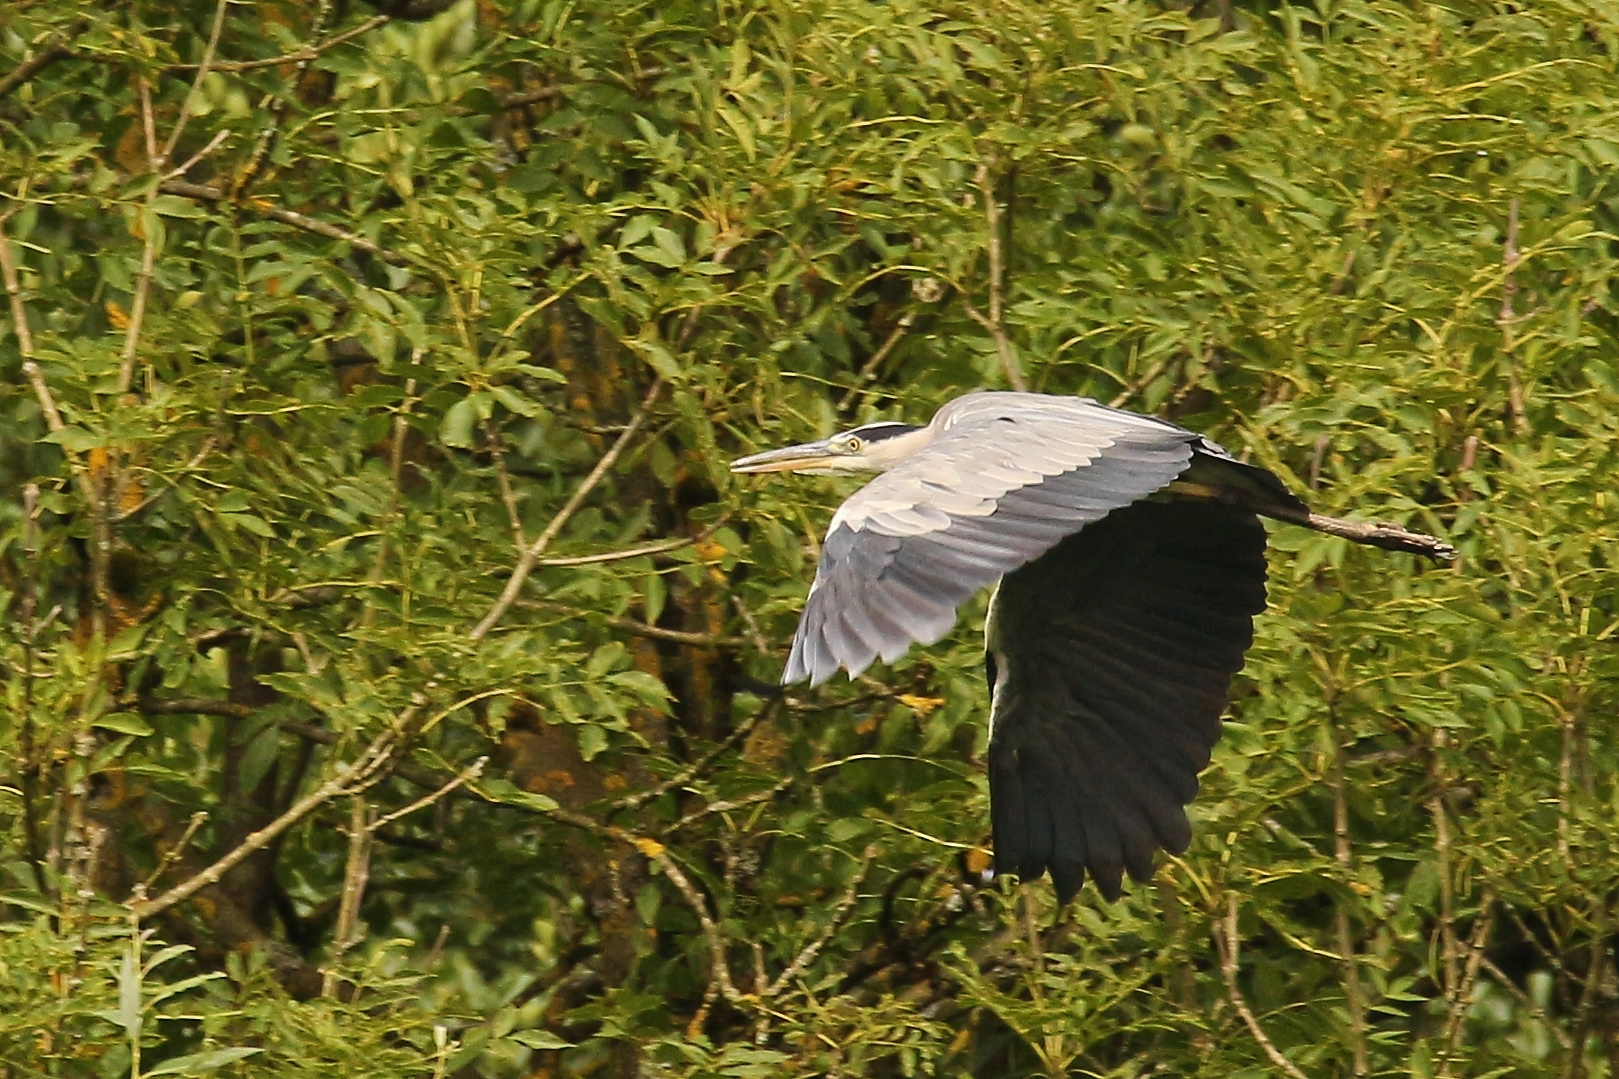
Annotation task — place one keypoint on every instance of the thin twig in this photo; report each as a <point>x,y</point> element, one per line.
<point>303,55</point>
<point>659,854</point>
<point>1510,257</point>
<point>639,629</point>
<point>206,193</point>
<point>196,86</point>
<point>703,764</point>
<point>503,480</point>
<point>276,105</point>
<point>995,322</point>
<point>868,370</point>
<point>220,138</point>
<point>150,227</point>
<point>1526,1002</point>
<point>466,775</point>
<point>1227,943</point>
<point>845,906</point>
<point>350,778</point>
<point>1129,391</point>
<point>356,874</point>
<point>53,48</point>
<point>1344,853</point>
<point>525,564</point>
<point>1460,1001</point>
<point>729,805</point>
<point>661,547</point>
<point>173,854</point>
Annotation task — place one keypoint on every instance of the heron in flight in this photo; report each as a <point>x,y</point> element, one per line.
<point>1130,563</point>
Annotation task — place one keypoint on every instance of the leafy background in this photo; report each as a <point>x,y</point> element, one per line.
<point>388,653</point>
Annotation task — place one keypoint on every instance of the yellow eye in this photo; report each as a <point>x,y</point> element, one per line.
<point>849,445</point>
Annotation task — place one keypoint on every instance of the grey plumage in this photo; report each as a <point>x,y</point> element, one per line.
<point>1131,563</point>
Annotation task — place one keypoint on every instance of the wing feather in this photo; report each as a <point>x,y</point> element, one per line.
<point>1007,477</point>
<point>1117,649</point>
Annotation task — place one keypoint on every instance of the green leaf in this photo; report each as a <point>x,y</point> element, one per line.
<point>202,1063</point>
<point>456,428</point>
<point>516,402</point>
<point>592,740</point>
<point>124,723</point>
<point>75,439</point>
<point>539,1039</point>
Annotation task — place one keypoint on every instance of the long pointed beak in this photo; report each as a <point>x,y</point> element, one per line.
<point>807,456</point>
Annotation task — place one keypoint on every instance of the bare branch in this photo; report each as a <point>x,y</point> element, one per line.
<point>503,480</point>
<point>840,914</point>
<point>196,84</point>
<point>1227,942</point>
<point>868,370</point>
<point>350,778</point>
<point>639,629</point>
<point>356,874</point>
<point>525,564</point>
<point>1344,852</point>
<point>466,775</point>
<point>1526,1002</point>
<point>661,547</point>
<point>172,855</point>
<point>53,48</point>
<point>303,55</point>
<point>1460,1000</point>
<point>736,738</point>
<point>994,323</point>
<point>206,193</point>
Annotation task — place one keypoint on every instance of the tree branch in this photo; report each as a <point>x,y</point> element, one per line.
<point>525,564</point>
<point>1344,854</point>
<point>1227,943</point>
<point>54,48</point>
<point>206,193</point>
<point>994,322</point>
<point>303,55</point>
<point>350,778</point>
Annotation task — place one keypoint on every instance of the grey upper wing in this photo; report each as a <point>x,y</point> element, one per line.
<point>1007,477</point>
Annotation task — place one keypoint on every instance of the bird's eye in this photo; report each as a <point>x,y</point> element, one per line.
<point>849,445</point>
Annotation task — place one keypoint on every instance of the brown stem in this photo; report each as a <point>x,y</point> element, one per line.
<point>356,874</point>
<point>1448,945</point>
<point>994,322</point>
<point>350,778</point>
<point>1460,1001</point>
<point>30,764</point>
<point>54,48</point>
<point>525,563</point>
<point>303,55</point>
<point>1344,852</point>
<point>1227,943</point>
<point>263,207</point>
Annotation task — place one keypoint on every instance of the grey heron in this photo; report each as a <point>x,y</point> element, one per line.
<point>1129,560</point>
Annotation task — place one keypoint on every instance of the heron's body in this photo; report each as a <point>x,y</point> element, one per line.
<point>1130,560</point>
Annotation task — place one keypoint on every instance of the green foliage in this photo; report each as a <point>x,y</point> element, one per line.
<point>315,348</point>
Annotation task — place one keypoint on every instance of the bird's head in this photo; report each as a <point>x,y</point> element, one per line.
<point>875,447</point>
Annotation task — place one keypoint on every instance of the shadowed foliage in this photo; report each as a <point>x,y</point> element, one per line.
<point>389,657</point>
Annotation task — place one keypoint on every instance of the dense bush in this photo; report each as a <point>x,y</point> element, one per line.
<point>388,652</point>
